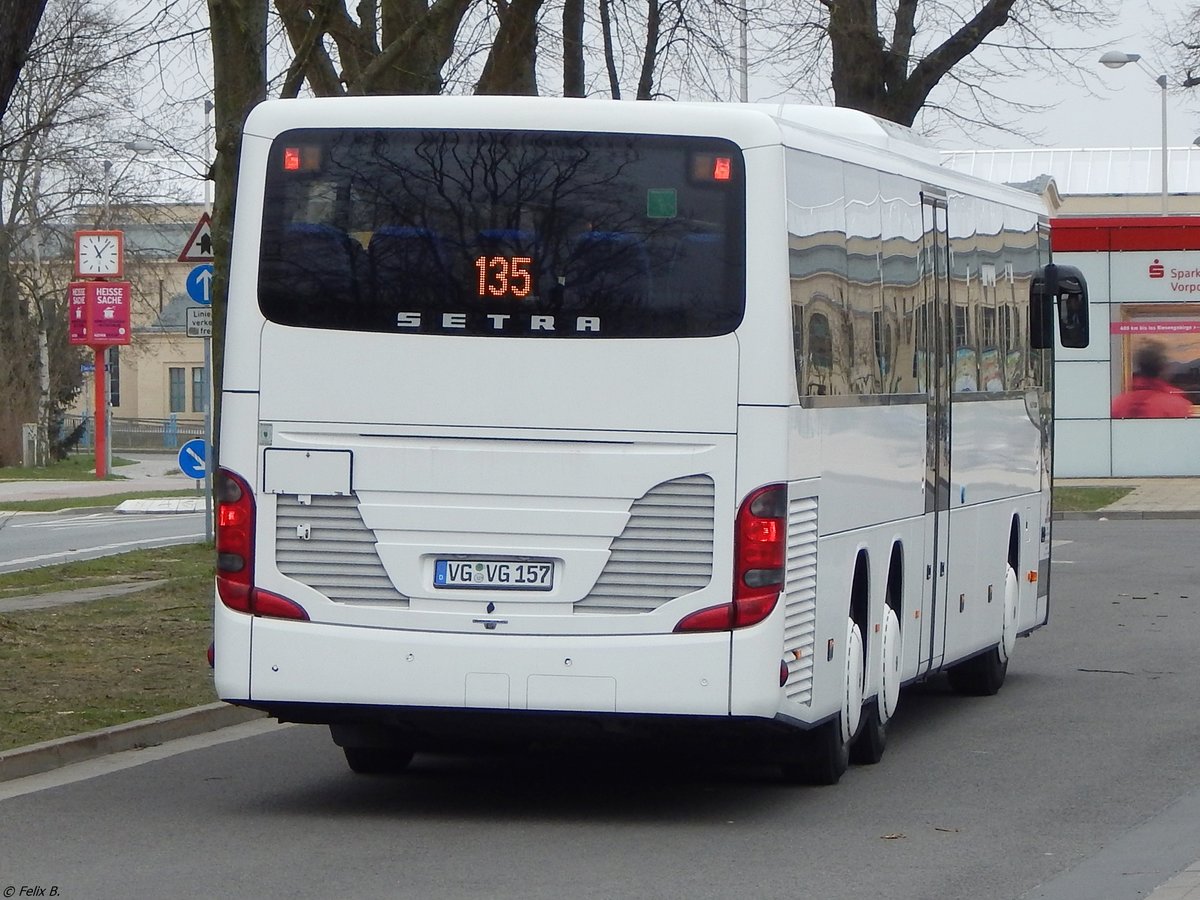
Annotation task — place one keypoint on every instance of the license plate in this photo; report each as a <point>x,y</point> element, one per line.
<point>494,574</point>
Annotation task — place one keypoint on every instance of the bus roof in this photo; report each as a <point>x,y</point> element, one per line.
<point>841,133</point>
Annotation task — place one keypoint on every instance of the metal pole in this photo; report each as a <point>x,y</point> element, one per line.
<point>208,442</point>
<point>101,410</point>
<point>744,49</point>
<point>209,454</point>
<point>108,411</point>
<point>1162,83</point>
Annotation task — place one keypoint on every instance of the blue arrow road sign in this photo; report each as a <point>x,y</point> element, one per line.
<point>199,284</point>
<point>192,458</point>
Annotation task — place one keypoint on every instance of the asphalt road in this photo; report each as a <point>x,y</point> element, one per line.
<point>1034,793</point>
<point>30,540</point>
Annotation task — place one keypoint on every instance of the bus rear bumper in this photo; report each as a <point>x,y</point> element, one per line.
<point>331,666</point>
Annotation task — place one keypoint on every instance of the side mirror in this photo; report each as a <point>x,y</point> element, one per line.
<point>1066,287</point>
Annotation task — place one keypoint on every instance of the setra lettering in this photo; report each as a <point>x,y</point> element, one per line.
<point>499,323</point>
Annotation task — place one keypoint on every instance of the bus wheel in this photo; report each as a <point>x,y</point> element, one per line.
<point>983,675</point>
<point>868,747</point>
<point>890,645</point>
<point>852,694</point>
<point>825,754</point>
<point>377,760</point>
<point>1008,635</point>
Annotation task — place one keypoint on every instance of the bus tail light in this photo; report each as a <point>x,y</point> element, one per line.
<point>759,564</point>
<point>235,554</point>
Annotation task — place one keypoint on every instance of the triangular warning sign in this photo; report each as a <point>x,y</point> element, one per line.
<point>199,246</point>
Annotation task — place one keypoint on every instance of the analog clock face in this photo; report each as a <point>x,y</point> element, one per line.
<point>99,254</point>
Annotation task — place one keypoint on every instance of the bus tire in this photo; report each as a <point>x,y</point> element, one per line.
<point>824,756</point>
<point>979,676</point>
<point>867,749</point>
<point>853,682</point>
<point>377,760</point>
<point>983,675</point>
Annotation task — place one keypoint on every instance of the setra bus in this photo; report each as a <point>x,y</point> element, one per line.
<point>573,419</point>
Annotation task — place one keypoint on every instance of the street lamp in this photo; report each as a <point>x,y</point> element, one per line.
<point>1114,59</point>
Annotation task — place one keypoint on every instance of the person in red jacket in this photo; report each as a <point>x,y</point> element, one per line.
<point>1149,395</point>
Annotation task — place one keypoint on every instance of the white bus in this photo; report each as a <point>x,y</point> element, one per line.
<point>559,418</point>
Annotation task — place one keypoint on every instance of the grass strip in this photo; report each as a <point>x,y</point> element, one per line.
<point>1087,499</point>
<point>78,467</point>
<point>91,665</point>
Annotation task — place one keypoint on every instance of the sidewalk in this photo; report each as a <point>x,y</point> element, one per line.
<point>149,472</point>
<point>1151,498</point>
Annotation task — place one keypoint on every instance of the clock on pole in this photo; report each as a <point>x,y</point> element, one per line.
<point>99,254</point>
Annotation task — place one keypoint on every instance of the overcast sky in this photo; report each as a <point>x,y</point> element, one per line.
<point>1128,110</point>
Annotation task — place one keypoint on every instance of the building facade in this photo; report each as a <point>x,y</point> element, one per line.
<point>1129,404</point>
<point>160,375</point>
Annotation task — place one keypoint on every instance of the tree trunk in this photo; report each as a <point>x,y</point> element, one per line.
<point>572,37</point>
<point>879,79</point>
<point>650,53</point>
<point>20,18</point>
<point>511,63</point>
<point>857,55</point>
<point>610,59</point>
<point>239,46</point>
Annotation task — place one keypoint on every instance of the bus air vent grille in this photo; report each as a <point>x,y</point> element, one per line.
<point>338,558</point>
<point>664,552</point>
<point>800,605</point>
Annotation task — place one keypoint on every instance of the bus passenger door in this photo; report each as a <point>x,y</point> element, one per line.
<point>938,373</point>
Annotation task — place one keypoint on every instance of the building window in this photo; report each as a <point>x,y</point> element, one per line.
<point>199,389</point>
<point>176,389</point>
<point>820,348</point>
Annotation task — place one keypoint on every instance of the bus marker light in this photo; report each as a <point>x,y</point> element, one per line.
<point>1032,576</point>
<point>783,672</point>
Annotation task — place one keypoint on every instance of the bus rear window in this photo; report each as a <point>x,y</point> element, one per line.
<point>530,234</point>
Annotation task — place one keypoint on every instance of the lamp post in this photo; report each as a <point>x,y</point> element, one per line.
<point>1114,59</point>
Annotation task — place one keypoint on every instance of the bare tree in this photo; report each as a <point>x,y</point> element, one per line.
<point>401,50</point>
<point>890,60</point>
<point>512,61</point>
<point>54,135</point>
<point>20,18</point>
<point>1183,46</point>
<point>574,83</point>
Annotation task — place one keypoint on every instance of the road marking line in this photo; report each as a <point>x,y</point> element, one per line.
<point>70,554</point>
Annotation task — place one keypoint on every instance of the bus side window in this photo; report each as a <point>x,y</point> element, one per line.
<point>409,266</point>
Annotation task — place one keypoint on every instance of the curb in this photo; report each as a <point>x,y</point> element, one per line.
<point>48,755</point>
<point>1114,514</point>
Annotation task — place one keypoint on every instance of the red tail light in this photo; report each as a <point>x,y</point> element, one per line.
<point>759,564</point>
<point>235,553</point>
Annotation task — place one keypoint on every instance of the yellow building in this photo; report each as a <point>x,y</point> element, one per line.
<point>158,381</point>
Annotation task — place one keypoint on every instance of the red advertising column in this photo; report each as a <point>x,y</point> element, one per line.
<point>99,318</point>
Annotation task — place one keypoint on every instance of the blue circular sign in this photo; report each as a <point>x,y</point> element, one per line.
<point>192,456</point>
<point>199,284</point>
